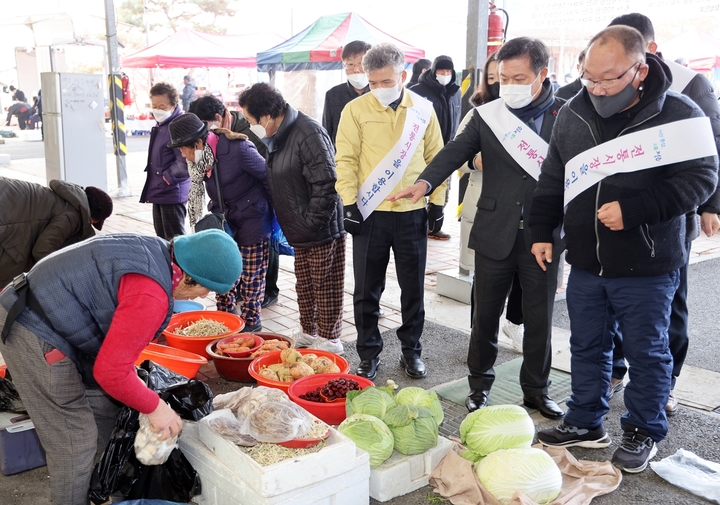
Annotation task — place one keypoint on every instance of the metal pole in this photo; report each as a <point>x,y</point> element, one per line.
<point>117,114</point>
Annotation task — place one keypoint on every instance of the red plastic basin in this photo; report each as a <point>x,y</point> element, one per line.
<point>198,344</point>
<point>274,357</point>
<point>236,369</point>
<point>183,362</point>
<point>331,413</point>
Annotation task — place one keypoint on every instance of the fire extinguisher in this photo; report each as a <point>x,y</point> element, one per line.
<point>496,29</point>
<point>127,99</point>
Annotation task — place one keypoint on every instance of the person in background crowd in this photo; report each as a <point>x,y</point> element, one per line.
<point>212,110</point>
<point>370,128</point>
<point>36,220</point>
<point>570,90</point>
<point>419,67</point>
<point>73,327</point>
<point>439,86</point>
<point>21,110</point>
<point>301,175</point>
<point>188,93</point>
<point>168,182</point>
<point>338,97</point>
<point>18,95</point>
<point>682,61</point>
<point>36,116</point>
<point>499,238</point>
<point>554,81</point>
<point>698,88</point>
<point>624,237</point>
<point>568,78</point>
<point>244,189</point>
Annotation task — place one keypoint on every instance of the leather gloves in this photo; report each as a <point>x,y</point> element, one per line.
<point>435,217</point>
<point>353,220</point>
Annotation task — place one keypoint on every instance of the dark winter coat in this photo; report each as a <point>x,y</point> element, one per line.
<point>167,180</point>
<point>188,95</point>
<point>445,99</point>
<point>244,187</point>
<point>241,125</point>
<point>569,90</point>
<point>336,99</point>
<point>78,290</point>
<point>301,175</point>
<point>653,202</point>
<point>507,192</point>
<point>36,220</point>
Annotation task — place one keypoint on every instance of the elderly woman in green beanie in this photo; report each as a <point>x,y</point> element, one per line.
<point>73,327</point>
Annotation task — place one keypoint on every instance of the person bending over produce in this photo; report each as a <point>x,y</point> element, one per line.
<point>36,220</point>
<point>73,327</point>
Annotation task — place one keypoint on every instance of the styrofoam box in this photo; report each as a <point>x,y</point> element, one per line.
<point>337,457</point>
<point>30,135</point>
<point>400,474</point>
<point>222,484</point>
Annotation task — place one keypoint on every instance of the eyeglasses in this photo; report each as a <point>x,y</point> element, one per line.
<point>605,83</point>
<point>353,67</point>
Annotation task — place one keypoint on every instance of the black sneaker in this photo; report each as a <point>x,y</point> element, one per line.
<point>567,435</point>
<point>635,451</point>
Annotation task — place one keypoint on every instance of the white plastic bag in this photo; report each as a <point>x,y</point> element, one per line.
<point>692,473</point>
<point>224,423</point>
<point>149,449</point>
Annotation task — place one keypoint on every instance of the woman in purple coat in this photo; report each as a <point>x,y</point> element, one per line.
<point>168,182</point>
<point>246,201</point>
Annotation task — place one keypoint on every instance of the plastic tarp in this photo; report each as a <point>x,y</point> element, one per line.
<point>320,45</point>
<point>192,49</point>
<point>701,49</point>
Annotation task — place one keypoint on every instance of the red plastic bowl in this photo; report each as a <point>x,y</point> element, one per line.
<point>244,354</point>
<point>198,344</point>
<point>236,369</point>
<point>274,357</point>
<point>304,443</point>
<point>331,413</point>
<point>183,362</point>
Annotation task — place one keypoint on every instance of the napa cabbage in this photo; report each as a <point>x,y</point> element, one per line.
<point>498,427</point>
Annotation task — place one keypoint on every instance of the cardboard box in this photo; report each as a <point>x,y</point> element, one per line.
<point>20,448</point>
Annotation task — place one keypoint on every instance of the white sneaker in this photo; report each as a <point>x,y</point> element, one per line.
<point>323,344</point>
<point>303,339</point>
<point>515,332</point>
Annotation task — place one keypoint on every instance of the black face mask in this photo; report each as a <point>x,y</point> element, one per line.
<point>494,90</point>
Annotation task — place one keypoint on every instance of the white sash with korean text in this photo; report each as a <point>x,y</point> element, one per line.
<point>380,184</point>
<point>518,139</point>
<point>683,140</point>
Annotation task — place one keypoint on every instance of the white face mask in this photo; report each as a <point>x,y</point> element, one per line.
<point>386,96</point>
<point>358,81</point>
<point>517,96</point>
<point>259,130</point>
<point>212,126</point>
<point>444,79</point>
<point>161,115</point>
<point>199,155</point>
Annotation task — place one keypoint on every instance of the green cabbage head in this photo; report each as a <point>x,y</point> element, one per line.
<point>421,398</point>
<point>371,435</point>
<point>371,401</point>
<point>530,471</point>
<point>414,428</point>
<point>498,427</point>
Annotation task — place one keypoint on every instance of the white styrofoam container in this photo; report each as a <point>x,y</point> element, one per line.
<point>400,474</point>
<point>4,159</point>
<point>337,457</point>
<point>30,135</point>
<point>221,484</point>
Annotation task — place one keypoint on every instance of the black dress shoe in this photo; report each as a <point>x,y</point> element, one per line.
<point>368,368</point>
<point>414,367</point>
<point>545,405</point>
<point>477,399</point>
<point>269,300</point>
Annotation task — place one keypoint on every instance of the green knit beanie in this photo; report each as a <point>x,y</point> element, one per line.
<point>210,257</point>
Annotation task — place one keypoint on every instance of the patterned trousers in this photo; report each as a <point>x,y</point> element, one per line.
<point>320,273</point>
<point>250,287</point>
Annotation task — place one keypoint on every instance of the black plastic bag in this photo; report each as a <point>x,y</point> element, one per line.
<point>9,397</point>
<point>119,471</point>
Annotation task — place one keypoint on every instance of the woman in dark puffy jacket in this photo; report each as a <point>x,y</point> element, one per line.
<point>301,175</point>
<point>246,201</point>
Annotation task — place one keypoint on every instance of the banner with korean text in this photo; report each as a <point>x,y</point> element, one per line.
<point>675,142</point>
<point>379,183</point>
<point>525,146</point>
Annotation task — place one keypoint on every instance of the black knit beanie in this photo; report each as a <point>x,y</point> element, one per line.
<point>101,205</point>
